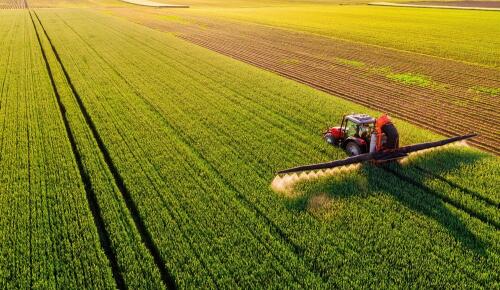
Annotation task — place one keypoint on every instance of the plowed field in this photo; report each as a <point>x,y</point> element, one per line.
<point>448,97</point>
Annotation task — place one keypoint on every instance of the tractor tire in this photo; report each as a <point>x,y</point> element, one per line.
<point>392,136</point>
<point>330,139</point>
<point>352,149</point>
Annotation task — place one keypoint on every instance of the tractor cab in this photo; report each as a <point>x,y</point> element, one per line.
<point>353,134</point>
<point>361,133</point>
<point>357,126</point>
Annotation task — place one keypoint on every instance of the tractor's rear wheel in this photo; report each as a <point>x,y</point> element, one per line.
<point>352,149</point>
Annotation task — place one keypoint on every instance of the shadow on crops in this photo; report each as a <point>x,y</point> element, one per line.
<point>370,180</point>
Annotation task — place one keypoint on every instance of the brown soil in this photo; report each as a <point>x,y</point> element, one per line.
<point>483,4</point>
<point>450,105</point>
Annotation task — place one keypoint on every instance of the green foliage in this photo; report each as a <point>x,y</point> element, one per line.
<point>411,79</point>
<point>350,62</point>
<point>486,90</point>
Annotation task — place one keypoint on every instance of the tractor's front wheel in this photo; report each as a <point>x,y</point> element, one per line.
<point>330,139</point>
<point>352,149</point>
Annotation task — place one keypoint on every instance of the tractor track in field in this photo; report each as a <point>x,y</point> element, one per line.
<point>450,105</point>
<point>166,277</point>
<point>442,197</point>
<point>484,199</point>
<point>104,236</point>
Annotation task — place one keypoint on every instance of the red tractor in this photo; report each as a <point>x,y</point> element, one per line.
<point>360,133</point>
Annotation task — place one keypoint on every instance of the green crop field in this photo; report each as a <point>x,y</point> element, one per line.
<point>133,159</point>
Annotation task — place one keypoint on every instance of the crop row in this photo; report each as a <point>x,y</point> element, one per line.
<point>197,137</point>
<point>47,235</point>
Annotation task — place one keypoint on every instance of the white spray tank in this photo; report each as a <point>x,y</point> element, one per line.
<point>373,142</point>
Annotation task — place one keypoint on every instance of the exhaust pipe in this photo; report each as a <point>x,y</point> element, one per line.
<point>373,142</point>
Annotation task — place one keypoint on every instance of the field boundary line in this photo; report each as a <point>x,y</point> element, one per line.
<point>104,237</point>
<point>166,276</point>
<point>30,193</point>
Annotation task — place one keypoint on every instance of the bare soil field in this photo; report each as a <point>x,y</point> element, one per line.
<point>448,97</point>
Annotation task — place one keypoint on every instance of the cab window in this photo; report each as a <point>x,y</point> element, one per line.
<point>351,128</point>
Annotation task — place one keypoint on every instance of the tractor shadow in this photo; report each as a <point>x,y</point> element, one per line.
<point>370,180</point>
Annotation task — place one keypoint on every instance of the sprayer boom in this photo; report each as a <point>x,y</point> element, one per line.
<point>377,157</point>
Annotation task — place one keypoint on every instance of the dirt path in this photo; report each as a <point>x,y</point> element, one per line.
<point>448,97</point>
